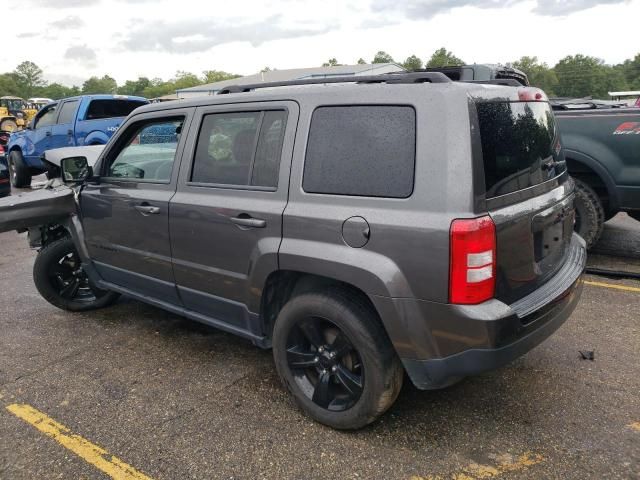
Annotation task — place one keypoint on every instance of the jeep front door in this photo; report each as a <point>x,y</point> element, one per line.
<point>226,217</point>
<point>126,212</point>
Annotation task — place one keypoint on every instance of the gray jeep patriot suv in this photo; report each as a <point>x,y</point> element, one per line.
<point>362,227</point>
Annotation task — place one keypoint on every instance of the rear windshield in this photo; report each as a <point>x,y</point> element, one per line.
<point>520,145</point>
<point>111,108</point>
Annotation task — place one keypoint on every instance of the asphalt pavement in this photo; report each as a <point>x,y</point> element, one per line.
<point>137,390</point>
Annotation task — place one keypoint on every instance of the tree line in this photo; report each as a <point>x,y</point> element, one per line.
<point>27,81</point>
<point>573,76</point>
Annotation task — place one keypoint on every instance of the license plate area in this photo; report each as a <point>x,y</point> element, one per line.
<point>552,229</point>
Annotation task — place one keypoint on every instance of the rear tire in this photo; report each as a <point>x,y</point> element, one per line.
<point>18,171</point>
<point>59,278</point>
<point>589,214</point>
<point>334,356</point>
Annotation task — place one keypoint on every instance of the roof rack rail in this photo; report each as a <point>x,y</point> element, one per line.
<point>414,77</point>
<point>506,82</point>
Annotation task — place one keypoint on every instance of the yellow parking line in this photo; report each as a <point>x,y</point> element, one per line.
<point>611,285</point>
<point>89,452</point>
<point>475,471</point>
<point>635,426</point>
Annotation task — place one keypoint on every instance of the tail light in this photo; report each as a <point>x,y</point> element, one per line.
<point>472,276</point>
<point>531,94</point>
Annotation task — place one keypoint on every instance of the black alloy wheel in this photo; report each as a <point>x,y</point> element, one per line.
<point>62,281</point>
<point>324,364</point>
<point>70,280</point>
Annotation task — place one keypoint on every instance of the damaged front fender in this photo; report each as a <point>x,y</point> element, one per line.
<point>52,204</point>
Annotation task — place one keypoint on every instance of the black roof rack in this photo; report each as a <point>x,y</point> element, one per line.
<point>414,77</point>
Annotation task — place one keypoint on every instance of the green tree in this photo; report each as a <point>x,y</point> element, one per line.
<point>56,91</point>
<point>631,71</point>
<point>185,80</point>
<point>444,58</point>
<point>332,62</point>
<point>29,76</point>
<point>94,85</point>
<point>382,57</point>
<point>412,63</point>
<point>9,85</point>
<point>134,87</point>
<point>582,75</point>
<point>540,75</point>
<point>212,76</point>
<point>362,61</point>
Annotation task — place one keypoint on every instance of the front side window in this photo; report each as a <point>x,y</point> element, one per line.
<point>48,118</point>
<point>367,150</point>
<point>241,148</point>
<point>149,151</point>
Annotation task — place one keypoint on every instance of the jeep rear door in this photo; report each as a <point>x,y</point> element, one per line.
<point>126,212</point>
<point>226,217</point>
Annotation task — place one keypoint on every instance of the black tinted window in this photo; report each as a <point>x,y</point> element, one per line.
<point>242,148</point>
<point>111,108</point>
<point>361,150</point>
<point>67,112</point>
<point>520,146</point>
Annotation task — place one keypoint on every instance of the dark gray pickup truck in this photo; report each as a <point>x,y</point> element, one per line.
<point>602,149</point>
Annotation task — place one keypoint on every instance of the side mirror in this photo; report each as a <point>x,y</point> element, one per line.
<point>75,169</point>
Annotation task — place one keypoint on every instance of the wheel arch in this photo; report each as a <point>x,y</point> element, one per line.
<point>282,285</point>
<point>590,171</point>
<point>96,138</point>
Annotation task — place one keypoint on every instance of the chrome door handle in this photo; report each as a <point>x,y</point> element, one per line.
<point>250,222</point>
<point>147,209</point>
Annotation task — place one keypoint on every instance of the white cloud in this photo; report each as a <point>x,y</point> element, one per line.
<point>128,38</point>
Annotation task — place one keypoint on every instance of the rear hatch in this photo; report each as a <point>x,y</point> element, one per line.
<point>527,190</point>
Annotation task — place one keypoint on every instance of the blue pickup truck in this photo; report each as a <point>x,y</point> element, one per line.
<point>75,121</point>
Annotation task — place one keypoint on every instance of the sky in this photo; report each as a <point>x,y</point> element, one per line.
<point>74,39</point>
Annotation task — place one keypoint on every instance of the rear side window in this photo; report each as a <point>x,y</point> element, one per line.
<point>241,148</point>
<point>67,112</point>
<point>520,145</point>
<point>111,108</point>
<point>361,150</point>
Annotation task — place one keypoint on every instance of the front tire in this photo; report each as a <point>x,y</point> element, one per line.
<point>62,282</point>
<point>18,171</point>
<point>335,358</point>
<point>8,125</point>
<point>589,214</point>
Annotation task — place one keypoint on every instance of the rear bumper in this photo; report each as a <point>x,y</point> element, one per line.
<point>469,340</point>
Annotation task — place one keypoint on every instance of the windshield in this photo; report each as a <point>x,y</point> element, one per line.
<point>520,145</point>
<point>15,104</point>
